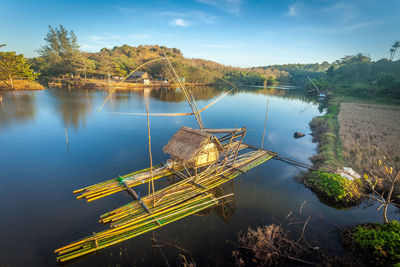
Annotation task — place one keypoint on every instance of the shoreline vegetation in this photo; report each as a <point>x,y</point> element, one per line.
<point>105,84</point>
<point>378,244</point>
<point>360,134</point>
<point>21,85</point>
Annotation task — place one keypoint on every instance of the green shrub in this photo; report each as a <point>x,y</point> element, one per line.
<point>380,242</point>
<point>335,188</point>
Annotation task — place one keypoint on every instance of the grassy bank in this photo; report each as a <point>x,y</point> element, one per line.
<point>325,131</point>
<point>23,85</point>
<point>347,135</point>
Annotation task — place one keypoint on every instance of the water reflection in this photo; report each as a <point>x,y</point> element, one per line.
<point>226,207</point>
<point>107,145</point>
<point>17,107</point>
<point>175,94</point>
<point>292,93</point>
<point>72,106</point>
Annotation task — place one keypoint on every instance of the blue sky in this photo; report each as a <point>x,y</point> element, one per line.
<point>232,32</point>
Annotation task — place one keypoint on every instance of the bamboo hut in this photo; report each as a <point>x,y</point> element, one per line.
<point>193,147</point>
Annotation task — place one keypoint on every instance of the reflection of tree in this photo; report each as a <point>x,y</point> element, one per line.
<point>175,95</point>
<point>16,106</point>
<point>72,105</point>
<point>282,93</point>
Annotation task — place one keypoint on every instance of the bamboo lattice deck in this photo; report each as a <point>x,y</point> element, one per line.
<point>167,205</point>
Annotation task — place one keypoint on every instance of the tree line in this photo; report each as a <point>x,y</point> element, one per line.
<point>358,75</point>
<point>62,57</point>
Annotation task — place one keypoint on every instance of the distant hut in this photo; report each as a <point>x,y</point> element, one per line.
<point>140,76</point>
<point>193,147</point>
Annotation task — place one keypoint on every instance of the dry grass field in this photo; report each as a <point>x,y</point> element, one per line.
<point>365,125</point>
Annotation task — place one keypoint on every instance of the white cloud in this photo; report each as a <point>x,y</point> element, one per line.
<point>342,11</point>
<point>180,23</point>
<point>338,29</point>
<point>230,6</point>
<point>357,25</point>
<point>195,16</point>
<point>95,38</point>
<point>294,10</point>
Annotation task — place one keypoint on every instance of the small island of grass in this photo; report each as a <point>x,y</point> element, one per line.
<point>380,243</point>
<point>333,189</point>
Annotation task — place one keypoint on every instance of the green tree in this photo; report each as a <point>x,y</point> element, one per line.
<point>61,50</point>
<point>83,64</point>
<point>393,49</point>
<point>13,66</point>
<point>330,71</point>
<point>105,64</point>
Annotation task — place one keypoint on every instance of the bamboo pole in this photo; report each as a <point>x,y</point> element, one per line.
<point>150,155</point>
<point>192,105</point>
<point>265,124</point>
<point>126,77</point>
<point>101,243</point>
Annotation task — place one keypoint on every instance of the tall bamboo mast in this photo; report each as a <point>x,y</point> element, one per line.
<point>189,97</point>
<point>265,124</point>
<point>146,95</point>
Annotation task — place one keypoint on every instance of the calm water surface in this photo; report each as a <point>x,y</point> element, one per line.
<point>39,171</point>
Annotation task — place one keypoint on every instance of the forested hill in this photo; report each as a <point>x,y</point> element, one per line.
<point>121,60</point>
<point>62,57</point>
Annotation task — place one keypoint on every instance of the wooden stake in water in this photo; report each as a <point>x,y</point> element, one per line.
<point>265,124</point>
<point>66,136</point>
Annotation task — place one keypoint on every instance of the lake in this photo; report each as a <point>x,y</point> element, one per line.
<point>39,171</point>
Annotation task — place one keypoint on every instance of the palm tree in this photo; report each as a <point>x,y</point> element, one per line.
<point>393,49</point>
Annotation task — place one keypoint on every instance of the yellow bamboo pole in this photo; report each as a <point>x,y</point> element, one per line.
<point>265,124</point>
<point>115,88</point>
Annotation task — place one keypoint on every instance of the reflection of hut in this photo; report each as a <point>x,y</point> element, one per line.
<point>193,147</point>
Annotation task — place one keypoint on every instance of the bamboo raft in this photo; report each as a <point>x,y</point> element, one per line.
<point>201,160</point>
<point>112,186</point>
<point>186,197</point>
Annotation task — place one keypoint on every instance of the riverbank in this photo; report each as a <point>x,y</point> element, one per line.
<point>359,135</point>
<point>105,84</point>
<point>23,85</point>
<point>325,131</point>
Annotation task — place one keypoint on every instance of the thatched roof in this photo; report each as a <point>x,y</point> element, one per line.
<point>187,143</point>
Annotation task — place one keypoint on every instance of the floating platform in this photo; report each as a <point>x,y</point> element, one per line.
<point>186,197</point>
<point>201,160</point>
